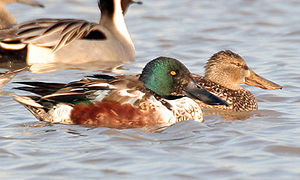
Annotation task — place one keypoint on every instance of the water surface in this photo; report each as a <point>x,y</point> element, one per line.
<point>266,145</point>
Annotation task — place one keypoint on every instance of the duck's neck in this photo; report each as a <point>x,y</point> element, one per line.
<point>112,18</point>
<point>224,81</point>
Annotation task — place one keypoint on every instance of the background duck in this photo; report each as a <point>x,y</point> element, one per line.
<point>6,19</point>
<point>224,72</point>
<point>162,95</point>
<point>73,41</point>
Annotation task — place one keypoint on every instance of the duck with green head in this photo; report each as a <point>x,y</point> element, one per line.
<point>162,95</point>
<point>224,72</point>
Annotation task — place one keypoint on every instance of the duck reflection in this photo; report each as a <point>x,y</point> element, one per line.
<point>6,76</point>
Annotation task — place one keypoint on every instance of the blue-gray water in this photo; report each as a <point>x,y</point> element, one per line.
<point>264,146</point>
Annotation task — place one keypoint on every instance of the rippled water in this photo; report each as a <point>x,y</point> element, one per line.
<point>264,146</point>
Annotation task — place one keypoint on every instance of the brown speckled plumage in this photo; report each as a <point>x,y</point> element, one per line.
<point>224,71</point>
<point>238,100</point>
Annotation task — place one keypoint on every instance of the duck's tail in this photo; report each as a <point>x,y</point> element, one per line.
<point>29,103</point>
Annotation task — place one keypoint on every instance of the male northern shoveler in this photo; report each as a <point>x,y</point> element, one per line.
<point>73,41</point>
<point>6,19</point>
<point>160,96</point>
<point>224,72</point>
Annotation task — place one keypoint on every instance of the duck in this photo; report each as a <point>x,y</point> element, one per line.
<point>224,72</point>
<point>75,41</point>
<point>163,94</point>
<point>6,19</point>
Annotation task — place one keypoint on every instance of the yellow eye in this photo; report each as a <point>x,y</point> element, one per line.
<point>173,73</point>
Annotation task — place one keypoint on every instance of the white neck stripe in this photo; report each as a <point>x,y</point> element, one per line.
<point>119,22</point>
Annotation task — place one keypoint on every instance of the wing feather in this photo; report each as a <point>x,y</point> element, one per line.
<point>55,33</point>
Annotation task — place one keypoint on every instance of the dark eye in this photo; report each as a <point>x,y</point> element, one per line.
<point>240,65</point>
<point>245,67</point>
<point>173,73</point>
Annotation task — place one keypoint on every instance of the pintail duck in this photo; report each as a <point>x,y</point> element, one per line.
<point>162,95</point>
<point>73,41</point>
<point>6,19</point>
<point>224,72</point>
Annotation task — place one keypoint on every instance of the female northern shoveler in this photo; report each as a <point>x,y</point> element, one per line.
<point>160,96</point>
<point>224,71</point>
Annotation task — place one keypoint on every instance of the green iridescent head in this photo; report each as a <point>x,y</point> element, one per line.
<point>168,77</point>
<point>165,76</point>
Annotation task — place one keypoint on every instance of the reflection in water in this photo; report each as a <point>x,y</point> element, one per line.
<point>14,60</point>
<point>230,115</point>
<point>15,64</point>
<point>8,75</point>
<point>92,66</point>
